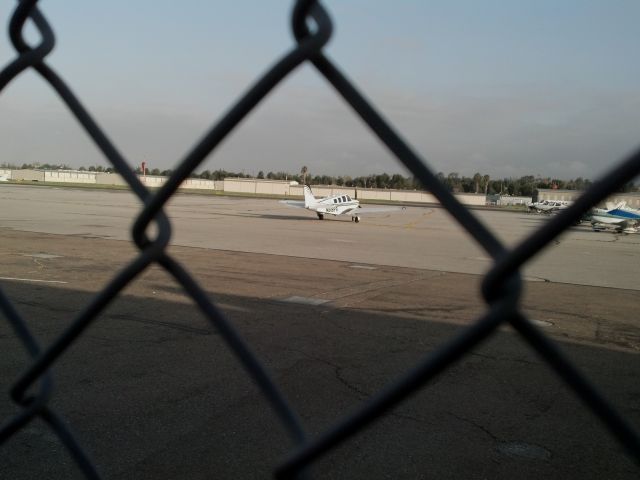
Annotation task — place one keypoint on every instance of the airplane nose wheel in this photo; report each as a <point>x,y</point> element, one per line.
<point>320,216</point>
<point>356,219</point>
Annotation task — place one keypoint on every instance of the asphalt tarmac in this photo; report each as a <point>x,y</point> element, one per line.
<point>336,311</point>
<point>417,237</point>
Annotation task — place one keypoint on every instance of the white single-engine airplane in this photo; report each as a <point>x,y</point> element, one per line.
<point>335,205</point>
<point>548,206</point>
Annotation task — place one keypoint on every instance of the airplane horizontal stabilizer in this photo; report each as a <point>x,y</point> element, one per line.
<point>293,203</point>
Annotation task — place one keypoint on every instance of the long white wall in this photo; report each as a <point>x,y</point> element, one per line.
<point>259,186</point>
<point>238,185</point>
<point>285,188</point>
<point>61,176</point>
<point>198,184</point>
<point>27,175</point>
<point>109,179</point>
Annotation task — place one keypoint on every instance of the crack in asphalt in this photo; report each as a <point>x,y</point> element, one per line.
<point>172,325</point>
<point>503,359</point>
<point>495,438</point>
<point>337,371</point>
<point>361,394</point>
<point>535,277</point>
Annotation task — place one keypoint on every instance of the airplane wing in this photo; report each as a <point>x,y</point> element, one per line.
<point>293,203</point>
<point>374,210</point>
<point>608,220</point>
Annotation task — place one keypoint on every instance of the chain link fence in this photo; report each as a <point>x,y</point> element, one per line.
<point>501,288</point>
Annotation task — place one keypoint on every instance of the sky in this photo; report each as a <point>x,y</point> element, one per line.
<point>505,88</point>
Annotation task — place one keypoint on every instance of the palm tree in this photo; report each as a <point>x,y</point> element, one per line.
<point>303,172</point>
<point>486,179</point>
<point>477,179</point>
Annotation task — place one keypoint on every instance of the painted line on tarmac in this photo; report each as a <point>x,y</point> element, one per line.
<point>235,308</point>
<point>305,300</point>
<point>31,280</point>
<point>541,323</point>
<point>41,255</point>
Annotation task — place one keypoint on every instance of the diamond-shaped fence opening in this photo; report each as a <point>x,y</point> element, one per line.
<point>32,391</point>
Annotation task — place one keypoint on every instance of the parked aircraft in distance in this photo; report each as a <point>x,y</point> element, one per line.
<point>548,206</point>
<point>335,205</point>
<point>620,217</point>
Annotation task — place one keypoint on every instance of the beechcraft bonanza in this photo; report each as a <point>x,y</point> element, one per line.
<point>619,217</point>
<point>335,205</point>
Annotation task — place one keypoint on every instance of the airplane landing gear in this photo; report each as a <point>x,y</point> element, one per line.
<point>320,216</point>
<point>356,219</point>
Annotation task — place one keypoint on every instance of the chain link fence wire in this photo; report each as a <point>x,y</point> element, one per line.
<point>501,287</point>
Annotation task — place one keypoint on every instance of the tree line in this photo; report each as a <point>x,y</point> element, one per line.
<point>456,183</point>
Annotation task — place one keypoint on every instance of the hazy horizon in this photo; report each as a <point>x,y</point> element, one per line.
<point>297,173</point>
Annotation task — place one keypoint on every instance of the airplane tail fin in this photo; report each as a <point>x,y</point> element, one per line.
<point>309,199</point>
<point>616,206</point>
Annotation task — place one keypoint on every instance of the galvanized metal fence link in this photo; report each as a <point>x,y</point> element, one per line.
<point>501,286</point>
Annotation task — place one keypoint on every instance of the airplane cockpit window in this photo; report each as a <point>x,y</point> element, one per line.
<point>335,200</point>
<point>348,198</point>
<point>344,199</point>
